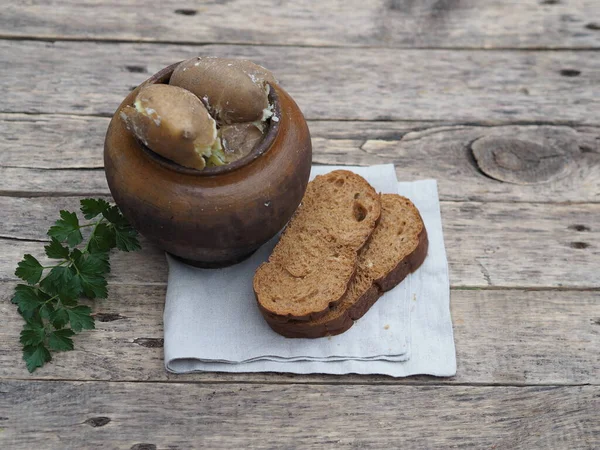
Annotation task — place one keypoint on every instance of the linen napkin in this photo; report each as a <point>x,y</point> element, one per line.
<point>211,321</point>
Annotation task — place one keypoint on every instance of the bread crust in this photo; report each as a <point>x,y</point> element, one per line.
<point>279,319</point>
<point>341,323</point>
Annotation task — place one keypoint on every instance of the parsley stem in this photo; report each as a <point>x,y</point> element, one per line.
<point>52,267</point>
<point>50,299</point>
<point>86,248</point>
<point>57,265</point>
<point>88,225</point>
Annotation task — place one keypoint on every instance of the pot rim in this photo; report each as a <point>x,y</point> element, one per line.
<point>267,141</point>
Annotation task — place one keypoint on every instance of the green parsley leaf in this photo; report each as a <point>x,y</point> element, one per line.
<point>68,301</point>
<point>90,270</point>
<point>35,356</point>
<point>94,285</point>
<point>28,299</point>
<point>60,340</point>
<point>29,269</point>
<point>62,281</point>
<point>114,216</point>
<point>99,260</point>
<point>67,229</point>
<point>91,207</point>
<point>126,236</point>
<point>127,239</point>
<point>59,318</point>
<point>49,304</point>
<point>46,311</point>
<point>56,250</point>
<point>34,318</point>
<point>92,262</point>
<point>102,239</point>
<point>32,334</point>
<point>80,318</point>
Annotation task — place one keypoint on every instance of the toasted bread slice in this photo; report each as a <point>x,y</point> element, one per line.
<point>397,247</point>
<point>312,265</point>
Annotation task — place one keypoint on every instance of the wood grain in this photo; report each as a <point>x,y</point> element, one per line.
<point>390,23</point>
<point>488,244</point>
<point>511,337</point>
<point>327,83</point>
<point>71,415</point>
<point>401,81</point>
<point>53,154</point>
<point>51,142</point>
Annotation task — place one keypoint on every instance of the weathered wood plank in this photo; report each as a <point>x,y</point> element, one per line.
<point>65,143</point>
<point>390,23</point>
<point>51,142</point>
<point>488,245</point>
<point>502,337</point>
<point>59,415</point>
<point>327,83</point>
<point>59,182</point>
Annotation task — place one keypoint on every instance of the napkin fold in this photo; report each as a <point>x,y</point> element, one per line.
<point>212,323</point>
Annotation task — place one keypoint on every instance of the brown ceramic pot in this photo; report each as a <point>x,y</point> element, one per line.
<point>220,215</point>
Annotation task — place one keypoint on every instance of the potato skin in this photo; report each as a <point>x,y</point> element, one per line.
<point>172,122</point>
<point>234,90</point>
<point>239,139</point>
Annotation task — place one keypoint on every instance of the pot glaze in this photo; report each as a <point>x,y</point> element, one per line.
<point>220,215</point>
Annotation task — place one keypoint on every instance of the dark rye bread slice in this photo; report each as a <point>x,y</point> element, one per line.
<point>397,247</point>
<point>312,264</point>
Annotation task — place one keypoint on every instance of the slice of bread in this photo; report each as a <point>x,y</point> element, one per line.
<point>314,261</point>
<point>397,247</point>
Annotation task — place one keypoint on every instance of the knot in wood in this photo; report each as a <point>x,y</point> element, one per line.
<point>519,161</point>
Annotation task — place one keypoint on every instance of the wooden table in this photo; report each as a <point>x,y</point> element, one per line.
<point>426,85</point>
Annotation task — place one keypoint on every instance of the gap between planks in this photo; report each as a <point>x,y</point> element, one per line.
<point>402,381</point>
<point>42,194</point>
<point>452,288</point>
<point>53,39</point>
<point>432,123</point>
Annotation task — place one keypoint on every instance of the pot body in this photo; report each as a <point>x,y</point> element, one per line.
<point>210,220</point>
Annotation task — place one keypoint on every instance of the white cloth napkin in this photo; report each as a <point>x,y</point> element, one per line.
<point>212,323</point>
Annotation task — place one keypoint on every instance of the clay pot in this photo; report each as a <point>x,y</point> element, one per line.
<point>220,215</point>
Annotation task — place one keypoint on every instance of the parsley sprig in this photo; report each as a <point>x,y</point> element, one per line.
<point>49,301</point>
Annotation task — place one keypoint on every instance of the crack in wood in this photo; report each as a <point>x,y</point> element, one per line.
<point>18,239</point>
<point>579,227</point>
<point>150,342</point>
<point>435,123</point>
<point>579,245</point>
<point>485,272</point>
<point>52,194</point>
<point>96,422</point>
<point>61,169</point>
<point>136,69</point>
<point>143,446</point>
<point>430,131</point>
<point>108,317</point>
<point>186,12</point>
